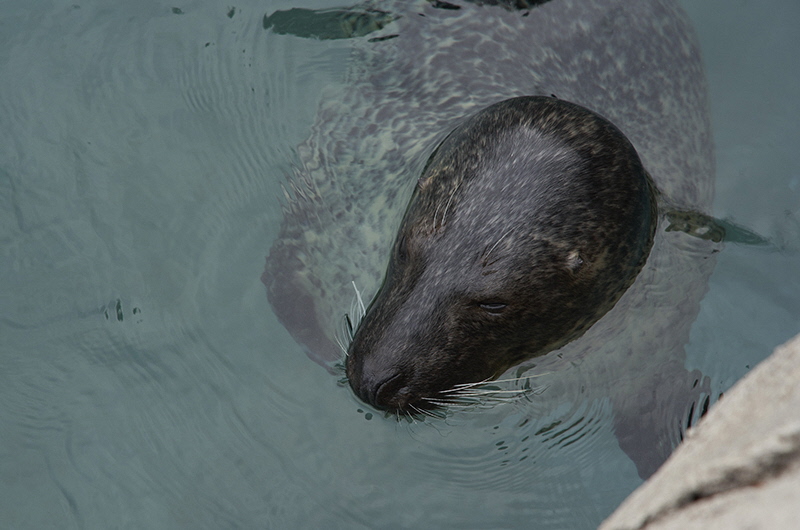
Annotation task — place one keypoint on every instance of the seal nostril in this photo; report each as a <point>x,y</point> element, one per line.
<point>392,393</point>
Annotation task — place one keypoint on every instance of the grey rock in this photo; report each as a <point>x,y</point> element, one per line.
<point>739,468</point>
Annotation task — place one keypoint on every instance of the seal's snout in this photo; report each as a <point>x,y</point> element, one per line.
<point>383,389</point>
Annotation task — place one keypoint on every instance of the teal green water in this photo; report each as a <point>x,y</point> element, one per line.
<point>145,383</point>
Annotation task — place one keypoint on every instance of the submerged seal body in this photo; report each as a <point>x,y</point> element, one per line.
<point>418,77</point>
<point>528,224</point>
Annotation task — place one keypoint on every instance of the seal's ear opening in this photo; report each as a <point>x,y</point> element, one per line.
<point>574,261</point>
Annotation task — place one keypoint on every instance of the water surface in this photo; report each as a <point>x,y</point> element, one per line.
<point>145,382</point>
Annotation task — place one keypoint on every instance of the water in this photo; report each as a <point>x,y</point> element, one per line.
<point>752,304</point>
<point>145,382</point>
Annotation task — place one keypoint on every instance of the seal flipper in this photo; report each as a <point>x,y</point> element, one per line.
<point>359,20</point>
<point>649,424</point>
<point>295,307</point>
<point>706,227</point>
<point>328,24</point>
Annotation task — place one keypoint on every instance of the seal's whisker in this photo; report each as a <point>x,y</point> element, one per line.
<point>362,310</point>
<point>518,379</point>
<point>490,387</point>
<point>449,200</point>
<point>483,400</point>
<point>463,386</point>
<point>467,385</point>
<point>349,325</point>
<point>486,256</point>
<point>457,390</point>
<point>344,336</point>
<point>439,402</point>
<point>425,412</point>
<point>476,383</point>
<point>409,417</point>
<point>435,213</point>
<point>482,394</point>
<point>488,392</point>
<point>341,346</point>
<point>454,401</point>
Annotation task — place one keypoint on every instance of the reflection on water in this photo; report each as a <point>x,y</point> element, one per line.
<point>144,380</point>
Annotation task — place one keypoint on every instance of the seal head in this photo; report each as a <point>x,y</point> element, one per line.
<point>529,222</point>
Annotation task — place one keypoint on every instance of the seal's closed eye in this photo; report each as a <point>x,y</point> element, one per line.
<point>493,308</point>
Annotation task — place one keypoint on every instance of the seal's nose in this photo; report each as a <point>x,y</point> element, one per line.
<point>386,389</point>
<point>392,393</point>
<point>383,392</point>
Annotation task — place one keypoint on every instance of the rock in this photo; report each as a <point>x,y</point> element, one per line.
<point>739,467</point>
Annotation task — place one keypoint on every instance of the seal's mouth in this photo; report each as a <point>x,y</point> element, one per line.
<point>395,396</point>
<point>393,392</point>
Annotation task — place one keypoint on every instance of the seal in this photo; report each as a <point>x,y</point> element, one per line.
<point>416,76</point>
<point>528,224</point>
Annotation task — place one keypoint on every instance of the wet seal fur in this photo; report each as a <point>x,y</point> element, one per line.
<point>528,224</point>
<point>635,62</point>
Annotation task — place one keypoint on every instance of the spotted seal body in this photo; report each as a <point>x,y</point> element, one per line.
<point>528,224</point>
<point>635,62</point>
